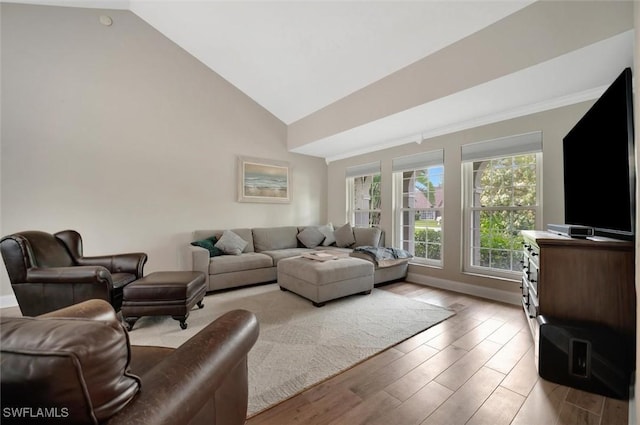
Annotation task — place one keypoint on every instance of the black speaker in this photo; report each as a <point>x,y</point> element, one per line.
<point>589,357</point>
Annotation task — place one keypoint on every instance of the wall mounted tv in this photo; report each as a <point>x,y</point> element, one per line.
<point>599,165</point>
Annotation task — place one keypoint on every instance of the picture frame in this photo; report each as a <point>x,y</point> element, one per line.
<point>263,180</point>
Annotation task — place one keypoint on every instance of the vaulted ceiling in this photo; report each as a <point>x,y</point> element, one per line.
<point>298,58</point>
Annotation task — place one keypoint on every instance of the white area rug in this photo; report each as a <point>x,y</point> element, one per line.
<point>299,344</point>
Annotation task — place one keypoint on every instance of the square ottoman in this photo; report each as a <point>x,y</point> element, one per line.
<point>163,294</point>
<point>321,281</point>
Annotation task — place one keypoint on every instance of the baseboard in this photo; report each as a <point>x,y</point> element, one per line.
<point>465,288</point>
<point>8,301</point>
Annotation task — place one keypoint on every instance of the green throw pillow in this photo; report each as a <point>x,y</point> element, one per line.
<point>209,244</point>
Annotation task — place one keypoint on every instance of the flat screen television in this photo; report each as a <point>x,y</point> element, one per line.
<point>599,165</point>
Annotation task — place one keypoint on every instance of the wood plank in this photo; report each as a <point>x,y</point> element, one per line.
<point>587,401</point>
<point>523,376</point>
<point>461,406</point>
<point>415,409</point>
<point>412,382</point>
<point>368,410</point>
<point>459,372</point>
<point>477,334</point>
<point>511,352</point>
<point>499,409</point>
<point>543,404</point>
<point>615,412</point>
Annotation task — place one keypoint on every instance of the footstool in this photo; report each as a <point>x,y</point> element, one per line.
<point>163,294</point>
<point>321,281</point>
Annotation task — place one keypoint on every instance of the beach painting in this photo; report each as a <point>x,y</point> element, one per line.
<point>262,180</point>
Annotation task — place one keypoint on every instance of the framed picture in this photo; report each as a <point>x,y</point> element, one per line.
<point>263,180</point>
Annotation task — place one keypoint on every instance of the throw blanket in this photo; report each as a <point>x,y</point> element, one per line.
<point>382,256</point>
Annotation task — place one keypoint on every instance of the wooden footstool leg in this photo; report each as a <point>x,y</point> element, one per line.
<point>182,320</point>
<point>130,321</point>
<point>200,304</point>
<point>315,304</point>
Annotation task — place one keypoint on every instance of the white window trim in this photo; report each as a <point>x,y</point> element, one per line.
<point>351,212</point>
<point>397,220</point>
<point>467,178</point>
<point>411,163</point>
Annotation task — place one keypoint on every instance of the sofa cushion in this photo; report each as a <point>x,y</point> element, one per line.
<point>344,236</point>
<point>270,238</point>
<point>238,263</point>
<point>231,243</point>
<point>281,254</point>
<point>77,366</point>
<point>327,231</point>
<point>366,236</point>
<point>310,237</point>
<point>244,233</point>
<point>209,245</point>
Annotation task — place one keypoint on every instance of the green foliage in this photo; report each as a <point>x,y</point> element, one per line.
<point>505,182</point>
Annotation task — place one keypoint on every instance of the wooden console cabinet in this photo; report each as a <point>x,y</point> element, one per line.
<point>587,280</point>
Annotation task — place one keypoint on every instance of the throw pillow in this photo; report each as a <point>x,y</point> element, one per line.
<point>344,236</point>
<point>327,231</point>
<point>209,244</point>
<point>367,236</point>
<point>230,243</point>
<point>310,237</point>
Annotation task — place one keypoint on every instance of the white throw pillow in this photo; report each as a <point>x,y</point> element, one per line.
<point>327,231</point>
<point>344,236</point>
<point>310,237</point>
<point>231,243</point>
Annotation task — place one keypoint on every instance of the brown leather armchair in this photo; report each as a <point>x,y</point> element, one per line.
<point>76,366</point>
<point>48,272</point>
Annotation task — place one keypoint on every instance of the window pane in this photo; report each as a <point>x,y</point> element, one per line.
<point>503,203</point>
<point>420,218</point>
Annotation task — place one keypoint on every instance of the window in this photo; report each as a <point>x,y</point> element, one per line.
<point>363,195</point>
<point>419,205</point>
<point>502,197</point>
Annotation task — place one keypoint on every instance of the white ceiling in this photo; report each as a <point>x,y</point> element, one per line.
<point>296,57</point>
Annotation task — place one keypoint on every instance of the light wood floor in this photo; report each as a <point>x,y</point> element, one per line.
<point>474,368</point>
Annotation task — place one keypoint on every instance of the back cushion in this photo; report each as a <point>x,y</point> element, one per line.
<point>367,236</point>
<point>243,233</point>
<point>75,367</point>
<point>46,250</point>
<point>270,238</point>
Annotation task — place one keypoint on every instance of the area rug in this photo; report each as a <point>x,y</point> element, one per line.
<point>299,344</point>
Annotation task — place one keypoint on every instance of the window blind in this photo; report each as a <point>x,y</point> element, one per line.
<point>364,169</point>
<point>418,161</point>
<point>504,146</point>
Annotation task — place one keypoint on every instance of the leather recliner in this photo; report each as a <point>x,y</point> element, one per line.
<point>48,272</point>
<point>76,366</point>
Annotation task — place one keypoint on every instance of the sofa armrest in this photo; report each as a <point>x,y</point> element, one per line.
<point>198,261</point>
<point>74,274</point>
<point>177,389</point>
<point>132,262</point>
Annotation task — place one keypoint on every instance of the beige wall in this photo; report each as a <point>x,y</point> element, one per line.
<point>554,125</point>
<point>120,134</point>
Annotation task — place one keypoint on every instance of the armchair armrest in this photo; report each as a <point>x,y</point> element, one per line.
<point>74,274</point>
<point>91,309</point>
<point>203,369</point>
<point>132,262</point>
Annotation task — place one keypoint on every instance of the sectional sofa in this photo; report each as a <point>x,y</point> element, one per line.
<point>257,260</point>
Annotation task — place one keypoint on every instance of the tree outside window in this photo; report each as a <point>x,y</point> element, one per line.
<point>504,203</point>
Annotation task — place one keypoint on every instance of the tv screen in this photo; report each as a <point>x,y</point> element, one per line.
<point>599,165</point>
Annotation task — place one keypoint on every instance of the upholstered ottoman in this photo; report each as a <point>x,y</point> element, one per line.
<point>321,281</point>
<point>163,294</point>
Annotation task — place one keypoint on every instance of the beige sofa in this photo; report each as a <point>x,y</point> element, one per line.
<point>265,247</point>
